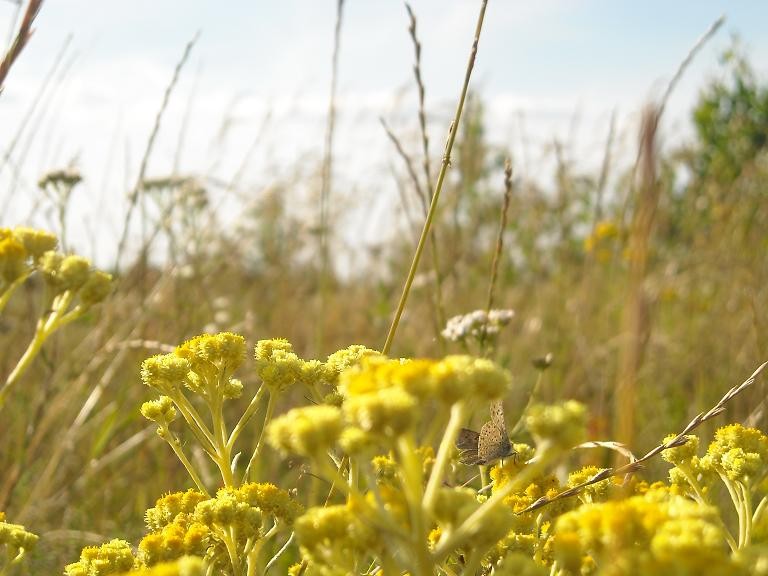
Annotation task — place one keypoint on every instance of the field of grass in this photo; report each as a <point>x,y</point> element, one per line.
<point>639,295</point>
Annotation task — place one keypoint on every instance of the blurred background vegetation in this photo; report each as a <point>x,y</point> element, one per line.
<point>79,464</point>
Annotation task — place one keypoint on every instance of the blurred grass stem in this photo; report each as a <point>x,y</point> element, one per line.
<point>438,185</point>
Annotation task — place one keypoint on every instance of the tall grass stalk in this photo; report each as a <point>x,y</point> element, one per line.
<point>326,183</point>
<point>438,185</point>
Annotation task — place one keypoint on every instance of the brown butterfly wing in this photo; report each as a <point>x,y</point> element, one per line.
<point>466,442</point>
<point>497,414</point>
<point>493,442</point>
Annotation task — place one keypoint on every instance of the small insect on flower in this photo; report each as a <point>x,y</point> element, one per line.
<point>490,444</point>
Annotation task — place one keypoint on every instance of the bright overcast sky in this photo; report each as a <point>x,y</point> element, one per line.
<point>561,65</point>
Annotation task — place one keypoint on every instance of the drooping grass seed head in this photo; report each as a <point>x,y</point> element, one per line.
<point>681,454</point>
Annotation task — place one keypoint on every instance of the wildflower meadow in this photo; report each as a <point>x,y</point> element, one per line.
<point>531,376</point>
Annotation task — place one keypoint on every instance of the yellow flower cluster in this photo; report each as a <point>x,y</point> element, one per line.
<point>336,538</point>
<point>21,250</point>
<point>203,365</point>
<point>16,540</point>
<point>113,557</point>
<point>382,398</point>
<point>24,250</point>
<point>184,566</point>
<point>657,533</point>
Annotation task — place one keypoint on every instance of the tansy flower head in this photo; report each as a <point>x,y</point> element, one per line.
<point>276,364</point>
<point>184,566</point>
<point>314,373</point>
<point>96,288</point>
<point>36,242</point>
<point>161,410</point>
<point>271,500</point>
<point>308,431</point>
<point>371,374</point>
<point>385,468</point>
<point>562,425</point>
<point>15,537</point>
<point>230,508</point>
<point>168,507</point>
<point>12,257</point>
<point>180,538</point>
<point>389,412</point>
<point>113,557</point>
<point>222,353</point>
<point>593,492</point>
<point>348,357</point>
<point>73,272</point>
<point>681,454</point>
<point>741,453</point>
<point>336,537</point>
<point>470,379</point>
<point>165,372</point>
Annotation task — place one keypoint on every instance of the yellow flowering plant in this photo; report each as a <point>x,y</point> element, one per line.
<point>72,288</point>
<point>383,433</point>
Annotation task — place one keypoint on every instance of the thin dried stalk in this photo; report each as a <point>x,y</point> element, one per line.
<point>678,440</point>
<point>636,324</point>
<point>499,243</point>
<point>326,180</point>
<point>408,161</point>
<point>136,193</point>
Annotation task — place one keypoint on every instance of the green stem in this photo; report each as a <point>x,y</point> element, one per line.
<point>759,510</point>
<point>746,501</point>
<point>257,449</point>
<point>195,423</point>
<point>247,415</point>
<point>443,456</point>
<point>735,498</point>
<point>438,185</point>
<point>8,292</point>
<point>43,331</point>
<point>412,476</point>
<point>175,445</point>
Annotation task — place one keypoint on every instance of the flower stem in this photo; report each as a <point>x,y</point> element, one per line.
<point>443,454</point>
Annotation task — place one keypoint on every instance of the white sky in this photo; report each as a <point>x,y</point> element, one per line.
<point>562,65</point>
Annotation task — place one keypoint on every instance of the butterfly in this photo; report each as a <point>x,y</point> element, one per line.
<point>491,443</point>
